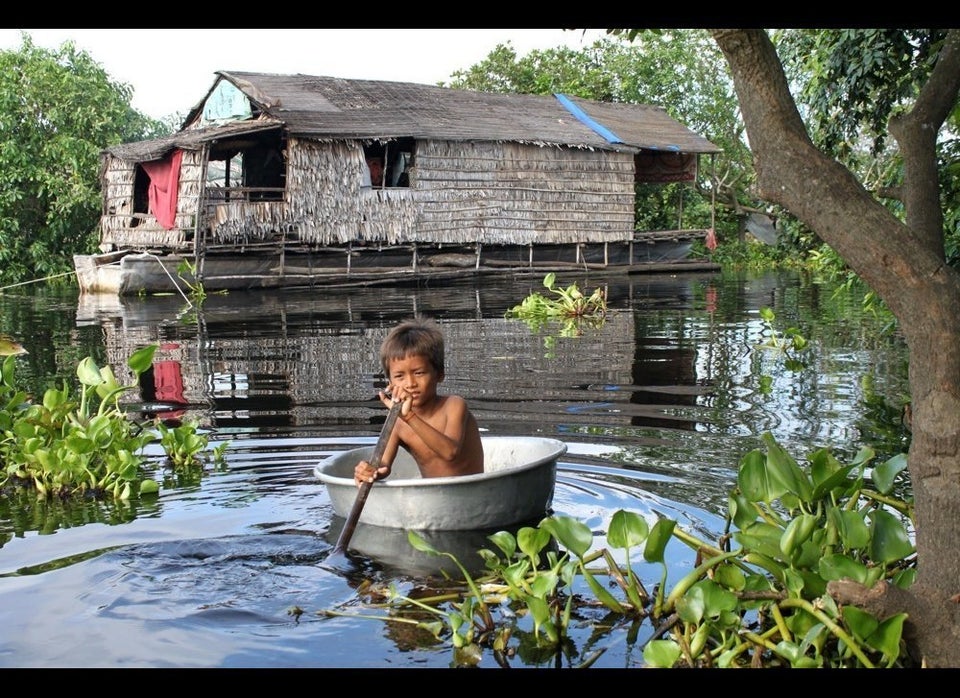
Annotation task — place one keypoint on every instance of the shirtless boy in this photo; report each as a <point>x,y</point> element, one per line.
<point>439,431</point>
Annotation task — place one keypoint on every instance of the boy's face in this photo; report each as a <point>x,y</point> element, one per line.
<point>415,376</point>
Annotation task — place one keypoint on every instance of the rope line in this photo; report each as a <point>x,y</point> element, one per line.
<point>33,281</point>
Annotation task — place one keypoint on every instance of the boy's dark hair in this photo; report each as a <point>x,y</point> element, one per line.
<point>414,337</point>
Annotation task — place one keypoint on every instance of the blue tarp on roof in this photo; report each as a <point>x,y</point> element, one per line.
<point>585,119</point>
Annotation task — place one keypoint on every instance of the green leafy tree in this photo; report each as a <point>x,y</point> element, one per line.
<point>902,261</point>
<point>58,110</point>
<point>849,83</point>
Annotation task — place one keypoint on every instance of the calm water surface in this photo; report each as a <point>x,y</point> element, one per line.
<point>656,405</point>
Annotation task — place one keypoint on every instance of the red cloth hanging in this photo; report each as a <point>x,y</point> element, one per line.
<point>164,182</point>
<point>711,241</point>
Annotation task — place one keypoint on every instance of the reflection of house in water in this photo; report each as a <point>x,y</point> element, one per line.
<point>309,361</point>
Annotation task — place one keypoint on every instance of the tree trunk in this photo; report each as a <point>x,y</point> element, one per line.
<point>904,264</point>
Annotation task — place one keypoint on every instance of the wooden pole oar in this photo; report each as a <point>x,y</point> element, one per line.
<point>347,533</point>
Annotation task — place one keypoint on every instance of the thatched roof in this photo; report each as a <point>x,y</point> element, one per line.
<point>335,108</point>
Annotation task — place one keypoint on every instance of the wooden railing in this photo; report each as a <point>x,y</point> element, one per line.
<point>217,195</point>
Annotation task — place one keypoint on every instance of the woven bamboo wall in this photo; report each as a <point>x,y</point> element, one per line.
<point>116,224</point>
<point>515,193</point>
<point>460,193</point>
<point>328,203</point>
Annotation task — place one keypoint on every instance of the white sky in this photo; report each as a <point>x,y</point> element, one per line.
<point>172,69</point>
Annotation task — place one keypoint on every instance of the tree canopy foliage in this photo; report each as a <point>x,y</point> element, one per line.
<point>58,110</point>
<point>850,81</point>
<point>849,84</point>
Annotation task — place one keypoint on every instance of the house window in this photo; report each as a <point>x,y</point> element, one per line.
<point>251,167</point>
<point>264,169</point>
<point>389,163</point>
<point>225,172</point>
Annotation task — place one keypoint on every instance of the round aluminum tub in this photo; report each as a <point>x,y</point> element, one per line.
<point>516,485</point>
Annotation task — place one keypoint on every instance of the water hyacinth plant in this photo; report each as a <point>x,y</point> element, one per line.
<point>568,307</point>
<point>84,443</point>
<point>757,598</point>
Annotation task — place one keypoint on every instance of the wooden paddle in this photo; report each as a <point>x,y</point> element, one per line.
<point>374,460</point>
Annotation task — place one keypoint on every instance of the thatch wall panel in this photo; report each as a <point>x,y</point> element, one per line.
<point>241,222</point>
<point>514,193</point>
<point>328,205</point>
<point>116,229</point>
<point>117,191</point>
<point>322,184</point>
<point>461,193</point>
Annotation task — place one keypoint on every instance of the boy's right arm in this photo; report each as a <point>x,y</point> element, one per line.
<point>364,472</point>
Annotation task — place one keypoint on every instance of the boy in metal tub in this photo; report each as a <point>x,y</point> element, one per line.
<point>439,431</point>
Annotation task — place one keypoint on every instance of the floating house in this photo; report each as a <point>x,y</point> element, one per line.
<point>298,180</point>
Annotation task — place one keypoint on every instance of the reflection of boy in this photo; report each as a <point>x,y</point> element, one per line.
<point>439,431</point>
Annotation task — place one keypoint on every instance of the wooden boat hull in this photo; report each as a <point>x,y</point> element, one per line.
<point>516,486</point>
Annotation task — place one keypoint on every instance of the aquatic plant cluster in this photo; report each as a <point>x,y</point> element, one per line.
<point>569,307</point>
<point>85,444</point>
<point>756,598</point>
